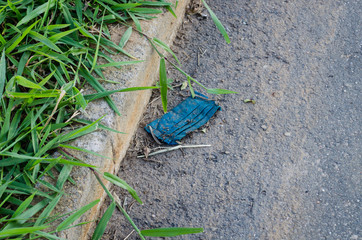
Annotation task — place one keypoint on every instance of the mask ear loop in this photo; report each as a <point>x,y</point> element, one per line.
<point>153,136</point>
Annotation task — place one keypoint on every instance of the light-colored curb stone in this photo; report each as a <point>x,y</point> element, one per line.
<point>131,106</point>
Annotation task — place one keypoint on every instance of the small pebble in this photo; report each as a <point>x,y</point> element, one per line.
<point>264,127</point>
<point>354,237</point>
<point>287,134</point>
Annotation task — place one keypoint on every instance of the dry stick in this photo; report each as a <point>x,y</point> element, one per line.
<point>187,56</point>
<point>173,148</point>
<point>128,235</point>
<point>76,113</point>
<point>154,137</point>
<point>198,57</point>
<point>154,100</point>
<point>62,94</point>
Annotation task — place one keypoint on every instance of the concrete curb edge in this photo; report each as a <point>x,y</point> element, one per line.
<point>131,105</point>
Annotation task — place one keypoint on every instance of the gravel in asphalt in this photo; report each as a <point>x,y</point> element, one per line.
<point>287,167</point>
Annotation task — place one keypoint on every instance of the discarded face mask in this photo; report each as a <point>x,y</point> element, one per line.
<point>186,117</point>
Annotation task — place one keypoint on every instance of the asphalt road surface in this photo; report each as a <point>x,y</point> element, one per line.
<point>287,167</point>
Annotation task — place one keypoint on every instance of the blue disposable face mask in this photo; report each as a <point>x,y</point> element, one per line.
<point>186,117</point>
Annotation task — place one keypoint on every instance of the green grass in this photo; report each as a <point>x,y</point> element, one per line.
<point>48,51</point>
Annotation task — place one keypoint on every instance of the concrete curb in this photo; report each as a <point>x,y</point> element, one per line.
<point>131,106</point>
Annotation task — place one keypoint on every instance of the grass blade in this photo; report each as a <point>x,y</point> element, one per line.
<point>219,91</point>
<point>83,150</point>
<point>58,36</point>
<point>169,8</point>
<point>68,162</point>
<point>97,47</point>
<point>28,214</point>
<point>44,40</point>
<point>26,83</point>
<point>23,35</point>
<point>97,86</point>
<point>101,227</point>
<point>166,48</point>
<point>22,62</point>
<point>23,206</point>
<point>191,88</point>
<point>20,231</point>
<point>83,31</point>
<point>80,131</point>
<point>46,235</point>
<point>43,94</point>
<point>126,35</point>
<point>3,188</point>
<point>163,84</point>
<point>80,98</point>
<point>63,176</point>
<point>135,20</point>
<point>117,64</point>
<point>2,73</point>
<point>101,126</point>
<point>217,23</point>
<point>111,44</point>
<point>79,9</point>
<point>35,13</point>
<point>72,218</point>
<point>121,183</point>
<point>95,96</point>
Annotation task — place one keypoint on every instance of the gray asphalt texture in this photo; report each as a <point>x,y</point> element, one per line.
<point>287,167</point>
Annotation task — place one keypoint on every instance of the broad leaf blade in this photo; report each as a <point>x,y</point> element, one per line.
<point>163,84</point>
<point>101,227</point>
<point>97,47</point>
<point>35,13</point>
<point>20,231</point>
<point>44,40</point>
<point>126,35</point>
<point>121,183</point>
<point>23,35</point>
<point>23,206</point>
<point>136,21</point>
<point>72,218</point>
<point>117,64</point>
<point>191,88</point>
<point>217,22</point>
<point>95,96</point>
<point>26,83</point>
<point>166,48</point>
<point>219,91</point>
<point>101,126</point>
